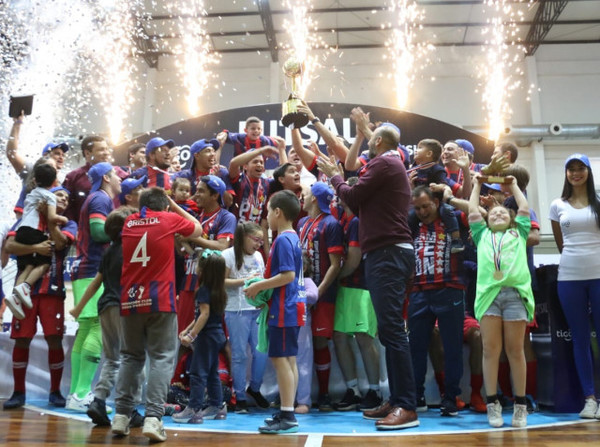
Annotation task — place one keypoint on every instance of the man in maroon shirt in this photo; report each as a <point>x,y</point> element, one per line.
<point>381,198</point>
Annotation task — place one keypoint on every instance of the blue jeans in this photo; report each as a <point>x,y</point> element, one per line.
<point>576,298</point>
<point>448,307</point>
<point>387,270</point>
<point>204,370</point>
<point>243,331</point>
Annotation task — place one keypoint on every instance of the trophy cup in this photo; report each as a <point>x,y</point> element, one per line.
<point>291,117</point>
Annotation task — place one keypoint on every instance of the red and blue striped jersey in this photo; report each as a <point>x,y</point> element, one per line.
<point>435,266</point>
<point>319,237</point>
<point>250,197</point>
<point>218,225</point>
<point>357,279</point>
<point>98,205</point>
<point>148,274</point>
<point>287,307</point>
<point>194,176</point>
<point>242,143</point>
<point>154,177</point>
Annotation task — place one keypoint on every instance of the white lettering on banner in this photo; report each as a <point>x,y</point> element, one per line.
<point>145,221</point>
<point>564,334</point>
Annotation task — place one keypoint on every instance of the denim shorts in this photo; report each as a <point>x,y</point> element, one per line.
<point>508,305</point>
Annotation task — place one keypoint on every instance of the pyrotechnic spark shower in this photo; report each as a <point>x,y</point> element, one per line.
<point>407,56</point>
<point>197,57</point>
<point>499,73</point>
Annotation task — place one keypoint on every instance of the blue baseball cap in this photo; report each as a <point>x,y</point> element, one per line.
<point>494,186</point>
<point>200,145</point>
<point>129,185</point>
<point>215,183</point>
<point>581,157</point>
<point>96,173</point>
<point>157,142</point>
<point>466,145</point>
<point>48,148</point>
<point>324,195</point>
<point>59,188</point>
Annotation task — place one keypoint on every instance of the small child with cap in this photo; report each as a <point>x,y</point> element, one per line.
<point>33,267</point>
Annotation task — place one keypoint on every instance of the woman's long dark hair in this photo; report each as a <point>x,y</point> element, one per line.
<point>241,231</point>
<point>567,192</point>
<point>278,173</point>
<point>211,274</point>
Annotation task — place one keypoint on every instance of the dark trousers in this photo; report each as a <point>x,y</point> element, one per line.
<point>387,270</point>
<point>204,370</point>
<point>448,308</point>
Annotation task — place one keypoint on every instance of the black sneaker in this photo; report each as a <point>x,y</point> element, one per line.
<point>56,399</point>
<point>241,407</point>
<point>371,401</point>
<point>97,413</point>
<point>532,405</point>
<point>258,398</point>
<point>17,400</point>
<point>457,245</point>
<point>277,425</point>
<point>506,402</point>
<point>349,402</point>
<point>324,403</point>
<point>421,405</point>
<point>137,420</point>
<point>448,407</point>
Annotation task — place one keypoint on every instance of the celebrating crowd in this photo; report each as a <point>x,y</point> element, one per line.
<point>210,271</point>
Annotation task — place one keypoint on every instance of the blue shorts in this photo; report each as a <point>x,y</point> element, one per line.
<point>283,341</point>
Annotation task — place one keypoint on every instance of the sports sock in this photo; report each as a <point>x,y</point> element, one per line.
<point>323,367</point>
<point>56,361</point>
<point>20,360</point>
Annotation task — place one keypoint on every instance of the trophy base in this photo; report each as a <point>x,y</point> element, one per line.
<point>495,179</point>
<point>295,119</point>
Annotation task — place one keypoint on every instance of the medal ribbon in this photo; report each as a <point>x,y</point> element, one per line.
<point>497,248</point>
<point>307,230</point>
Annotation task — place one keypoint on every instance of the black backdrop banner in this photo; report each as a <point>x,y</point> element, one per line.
<point>335,116</point>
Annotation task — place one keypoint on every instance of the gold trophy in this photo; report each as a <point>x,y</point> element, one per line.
<point>293,69</point>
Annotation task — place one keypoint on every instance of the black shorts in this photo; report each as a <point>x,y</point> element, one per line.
<point>31,236</point>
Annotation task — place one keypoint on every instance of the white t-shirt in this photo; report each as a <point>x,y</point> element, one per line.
<point>253,264</point>
<point>31,216</point>
<point>581,241</point>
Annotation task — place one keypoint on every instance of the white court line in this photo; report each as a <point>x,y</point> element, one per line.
<point>314,440</point>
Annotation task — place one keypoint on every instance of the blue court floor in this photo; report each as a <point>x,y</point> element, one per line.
<point>344,423</point>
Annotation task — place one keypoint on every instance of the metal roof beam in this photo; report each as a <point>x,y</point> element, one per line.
<point>267,20</point>
<point>545,17</point>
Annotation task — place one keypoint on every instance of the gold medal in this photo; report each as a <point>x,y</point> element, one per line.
<point>498,275</point>
<point>255,211</point>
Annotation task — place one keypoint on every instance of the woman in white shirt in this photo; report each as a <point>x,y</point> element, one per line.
<point>244,261</point>
<point>575,218</point>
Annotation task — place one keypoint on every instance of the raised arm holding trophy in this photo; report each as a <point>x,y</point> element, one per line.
<point>293,69</point>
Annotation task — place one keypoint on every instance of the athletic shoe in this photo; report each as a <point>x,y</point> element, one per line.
<point>258,398</point>
<point>97,413</point>
<point>421,405</point>
<point>23,292</point>
<point>506,403</point>
<point>171,409</point>
<point>277,425</point>
<point>17,400</point>
<point>56,399</point>
<point>349,402</point>
<point>532,405</point>
<point>371,401</point>
<point>137,420</point>
<point>324,403</point>
<point>519,418</point>
<point>477,404</point>
<point>448,407</point>
<point>154,429</point>
<point>494,414</point>
<point>68,400</point>
<point>14,304</point>
<point>590,409</point>
<point>457,246</point>
<point>241,407</point>
<point>120,425</point>
<point>213,412</point>
<point>598,413</point>
<point>186,415</point>
<point>80,405</point>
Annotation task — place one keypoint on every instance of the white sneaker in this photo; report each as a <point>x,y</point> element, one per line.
<point>80,405</point>
<point>14,304</point>
<point>494,414</point>
<point>154,429</point>
<point>120,425</point>
<point>23,291</point>
<point>598,413</point>
<point>590,409</point>
<point>519,418</point>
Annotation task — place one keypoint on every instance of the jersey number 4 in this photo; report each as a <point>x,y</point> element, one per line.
<point>140,254</point>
